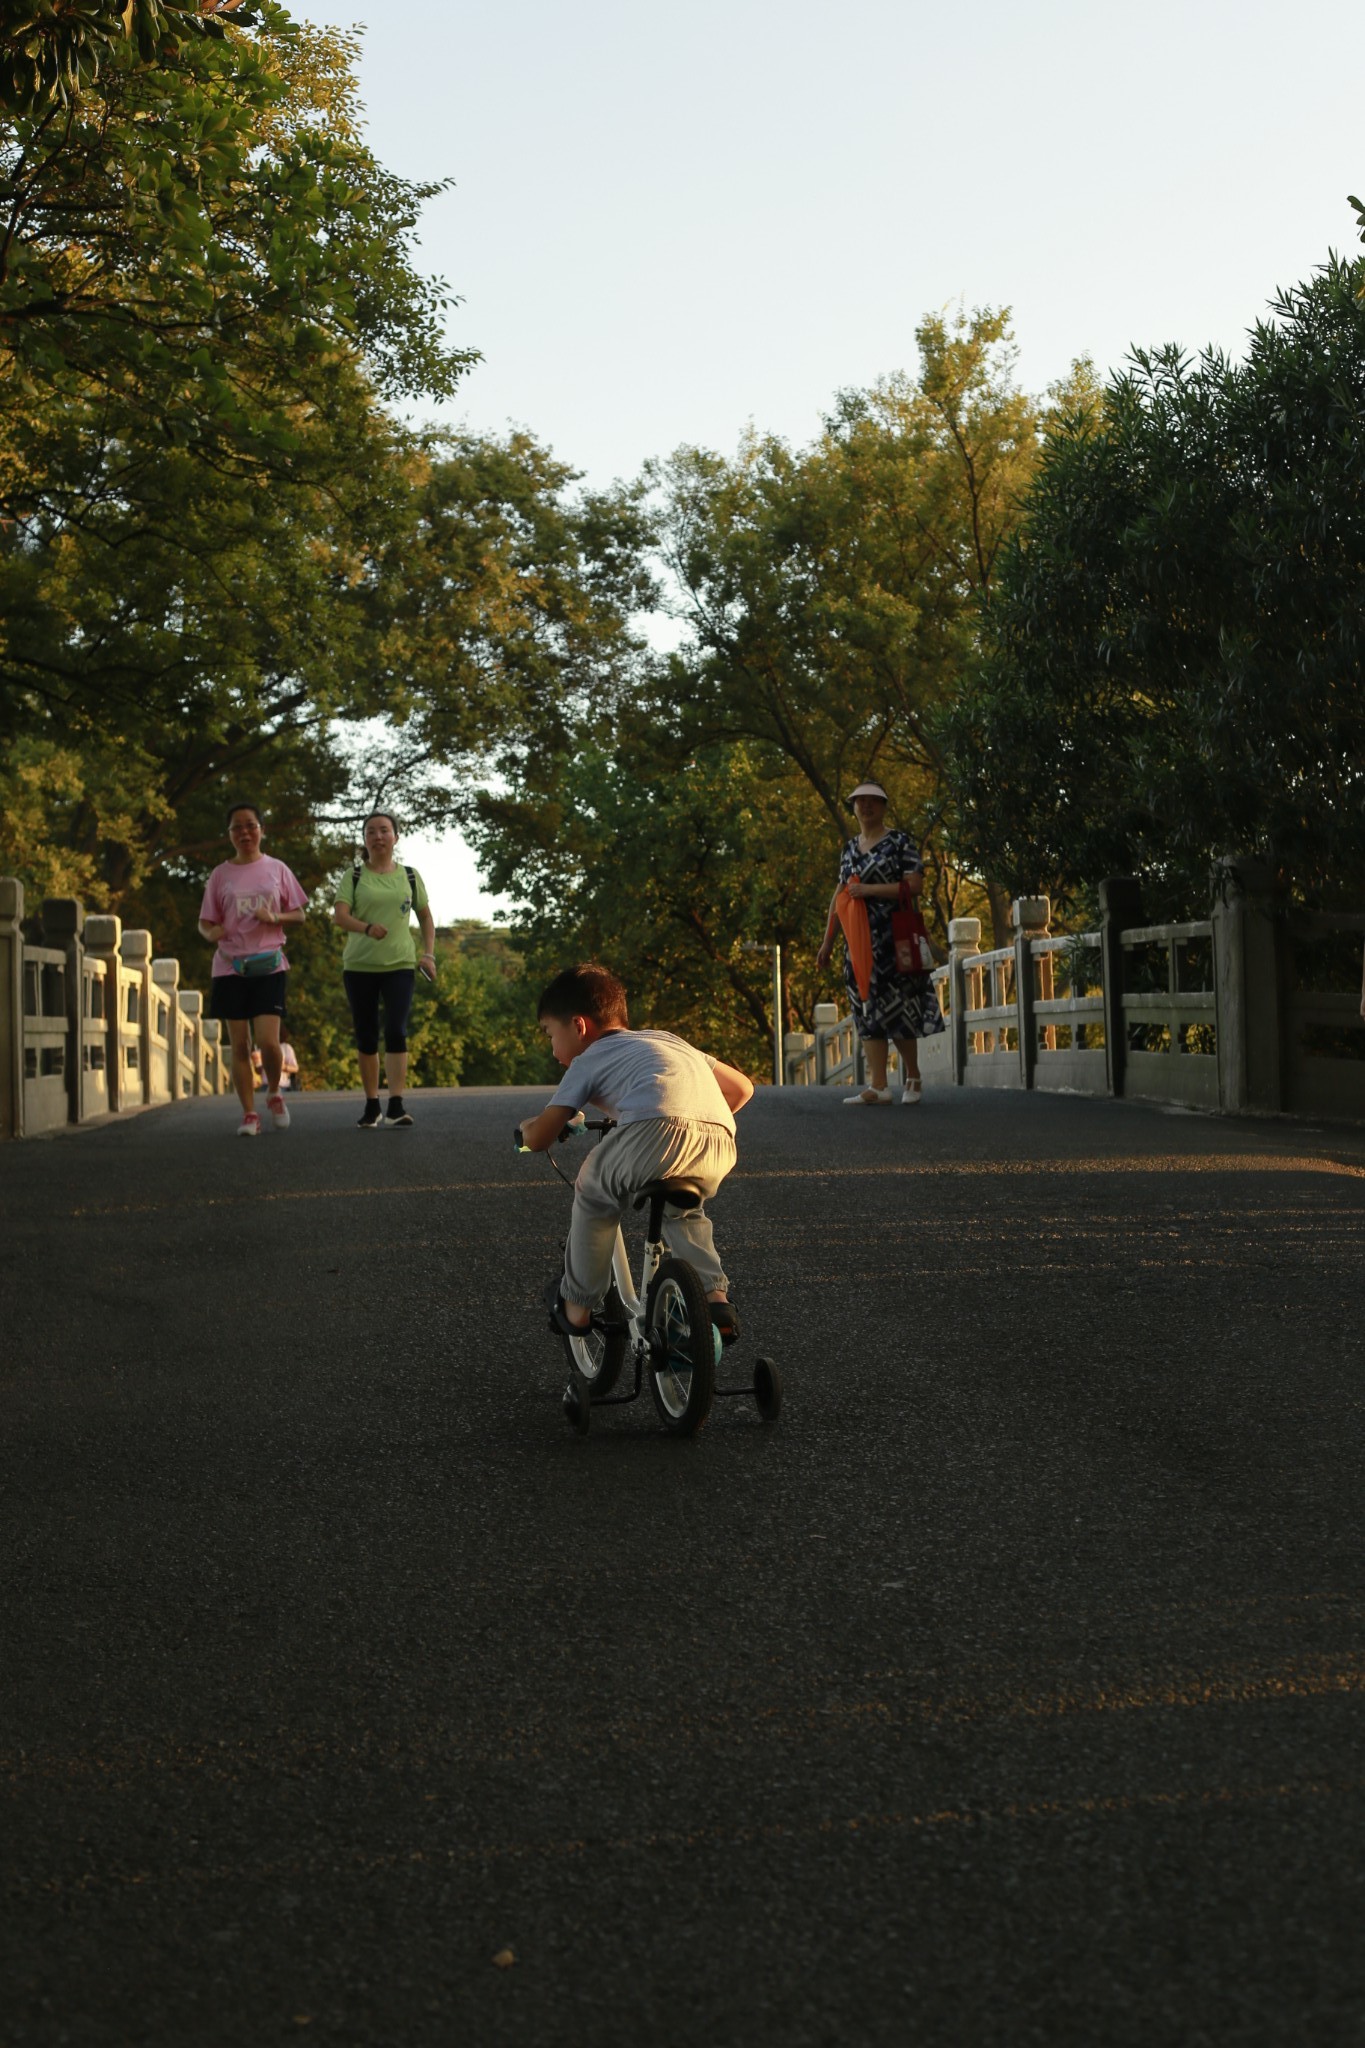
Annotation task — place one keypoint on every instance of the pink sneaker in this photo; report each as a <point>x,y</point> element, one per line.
<point>279,1115</point>
<point>250,1126</point>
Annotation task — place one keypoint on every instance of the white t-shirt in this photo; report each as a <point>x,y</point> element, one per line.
<point>636,1076</point>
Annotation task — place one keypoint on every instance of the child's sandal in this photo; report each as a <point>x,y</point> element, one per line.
<point>562,1327</point>
<point>725,1319</point>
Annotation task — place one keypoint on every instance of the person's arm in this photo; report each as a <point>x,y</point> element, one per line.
<point>343,915</point>
<point>538,1133</point>
<point>211,926</point>
<point>913,878</point>
<point>734,1086</point>
<point>291,904</point>
<point>822,958</point>
<point>428,924</point>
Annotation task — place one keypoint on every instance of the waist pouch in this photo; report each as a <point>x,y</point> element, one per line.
<point>258,963</point>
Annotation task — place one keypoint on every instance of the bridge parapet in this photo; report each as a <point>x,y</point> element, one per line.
<point>125,1071</point>
<point>1255,1008</point>
<point>90,1023</point>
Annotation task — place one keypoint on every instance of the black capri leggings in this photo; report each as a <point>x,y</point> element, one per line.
<point>364,992</point>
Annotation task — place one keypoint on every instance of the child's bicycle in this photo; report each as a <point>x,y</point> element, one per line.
<point>665,1328</point>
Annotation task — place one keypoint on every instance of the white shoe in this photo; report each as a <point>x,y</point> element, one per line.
<point>250,1126</point>
<point>868,1098</point>
<point>910,1093</point>
<point>279,1114</point>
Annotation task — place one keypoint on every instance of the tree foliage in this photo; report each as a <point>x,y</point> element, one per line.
<point>225,567</point>
<point>475,1028</point>
<point>205,279</point>
<point>681,873</point>
<point>831,595</point>
<point>1175,643</point>
<point>51,51</point>
<point>689,815</point>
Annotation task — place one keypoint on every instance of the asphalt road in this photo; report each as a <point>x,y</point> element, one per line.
<point>1008,1690</point>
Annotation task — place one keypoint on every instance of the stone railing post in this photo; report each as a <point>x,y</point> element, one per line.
<point>1248,968</point>
<point>824,1018</point>
<point>798,1057</point>
<point>63,928</point>
<point>11,1008</point>
<point>214,1040</point>
<point>1031,917</point>
<point>166,978</point>
<point>136,950</point>
<point>964,943</point>
<point>191,1009</point>
<point>102,936</point>
<point>1120,911</point>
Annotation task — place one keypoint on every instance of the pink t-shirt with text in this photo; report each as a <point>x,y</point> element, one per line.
<point>244,899</point>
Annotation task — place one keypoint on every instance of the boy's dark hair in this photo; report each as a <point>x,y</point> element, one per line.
<point>588,991</point>
<point>243,805</point>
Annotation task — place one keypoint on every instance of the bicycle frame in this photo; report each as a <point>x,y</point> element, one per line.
<point>632,1300</point>
<point>631,1321</point>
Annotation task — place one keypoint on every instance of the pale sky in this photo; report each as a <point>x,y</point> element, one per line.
<point>671,221</point>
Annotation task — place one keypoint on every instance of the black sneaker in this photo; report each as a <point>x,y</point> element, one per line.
<point>397,1114</point>
<point>372,1117</point>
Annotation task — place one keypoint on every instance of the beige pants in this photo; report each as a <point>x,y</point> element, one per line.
<point>666,1148</point>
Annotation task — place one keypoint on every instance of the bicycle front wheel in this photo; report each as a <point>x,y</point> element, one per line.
<point>682,1360</point>
<point>597,1356</point>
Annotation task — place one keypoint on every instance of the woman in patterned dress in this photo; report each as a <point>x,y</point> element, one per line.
<point>899,1006</point>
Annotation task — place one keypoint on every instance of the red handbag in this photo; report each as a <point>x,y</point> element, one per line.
<point>914,954</point>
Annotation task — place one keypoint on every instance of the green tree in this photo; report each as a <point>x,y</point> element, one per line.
<point>475,1028</point>
<point>50,53</point>
<point>168,234</point>
<point>681,875</point>
<point>831,596</point>
<point>225,569</point>
<point>689,813</point>
<point>1175,643</point>
<point>205,279</point>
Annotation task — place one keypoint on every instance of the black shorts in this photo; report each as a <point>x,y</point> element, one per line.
<point>237,998</point>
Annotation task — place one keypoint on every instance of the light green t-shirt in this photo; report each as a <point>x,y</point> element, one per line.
<point>386,900</point>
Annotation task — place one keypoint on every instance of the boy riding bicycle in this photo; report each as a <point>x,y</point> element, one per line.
<point>674,1111</point>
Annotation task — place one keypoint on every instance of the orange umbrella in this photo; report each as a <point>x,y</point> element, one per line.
<point>851,912</point>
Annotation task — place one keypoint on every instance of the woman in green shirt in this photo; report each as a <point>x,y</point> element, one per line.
<point>375,908</point>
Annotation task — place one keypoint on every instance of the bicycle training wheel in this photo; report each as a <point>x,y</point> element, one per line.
<point>682,1363</point>
<point>597,1356</point>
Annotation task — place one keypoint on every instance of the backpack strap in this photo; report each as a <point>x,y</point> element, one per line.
<point>356,873</point>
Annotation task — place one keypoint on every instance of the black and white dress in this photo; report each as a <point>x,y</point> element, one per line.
<point>898,1005</point>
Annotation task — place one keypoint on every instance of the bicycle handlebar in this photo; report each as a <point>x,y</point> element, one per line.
<point>603,1124</point>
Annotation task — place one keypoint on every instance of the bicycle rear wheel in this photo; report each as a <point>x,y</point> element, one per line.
<point>596,1358</point>
<point>682,1363</point>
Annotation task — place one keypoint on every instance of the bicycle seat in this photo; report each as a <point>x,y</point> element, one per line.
<point>679,1194</point>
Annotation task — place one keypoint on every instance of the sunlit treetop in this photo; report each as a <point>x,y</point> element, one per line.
<point>51,51</point>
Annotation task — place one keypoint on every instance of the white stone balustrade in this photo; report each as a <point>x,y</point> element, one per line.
<point>1254,1009</point>
<point>91,1024</point>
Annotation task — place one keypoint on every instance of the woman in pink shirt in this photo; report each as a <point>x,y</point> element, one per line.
<point>247,903</point>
